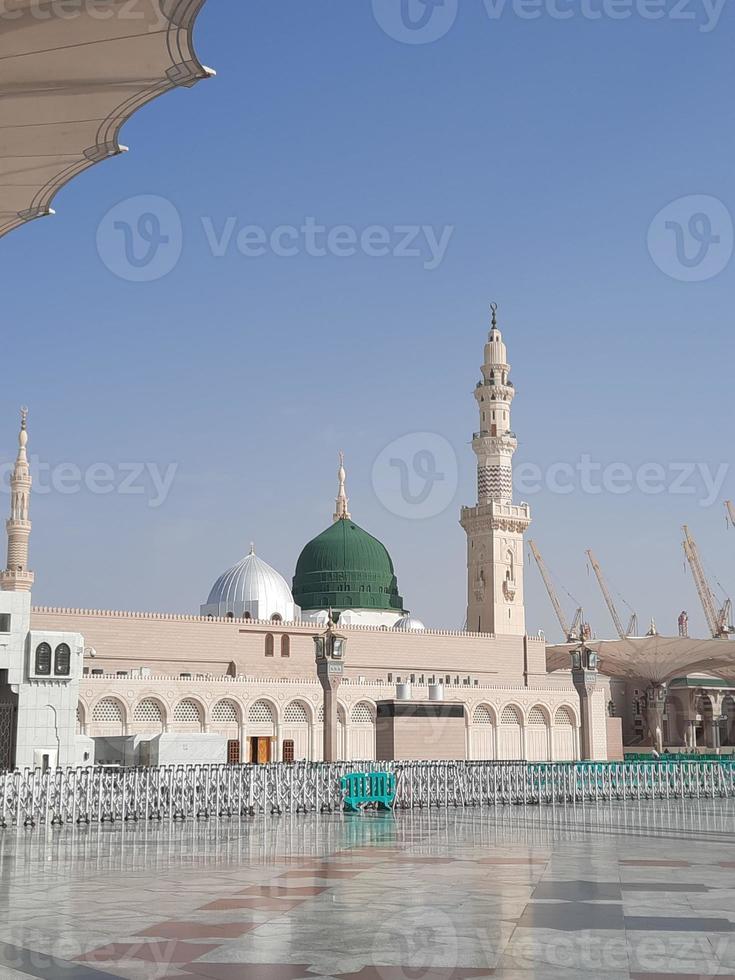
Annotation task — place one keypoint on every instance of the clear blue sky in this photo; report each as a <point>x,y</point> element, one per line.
<point>547,145</point>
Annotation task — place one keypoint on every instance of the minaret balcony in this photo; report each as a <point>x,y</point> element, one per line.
<point>16,580</point>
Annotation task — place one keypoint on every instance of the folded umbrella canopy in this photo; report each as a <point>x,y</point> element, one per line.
<point>71,73</point>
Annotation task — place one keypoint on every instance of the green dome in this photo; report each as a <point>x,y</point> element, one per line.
<point>345,568</point>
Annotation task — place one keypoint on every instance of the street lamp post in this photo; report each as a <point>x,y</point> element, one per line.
<point>330,661</point>
<point>584,675</point>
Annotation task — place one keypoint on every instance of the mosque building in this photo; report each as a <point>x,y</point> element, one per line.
<point>237,682</point>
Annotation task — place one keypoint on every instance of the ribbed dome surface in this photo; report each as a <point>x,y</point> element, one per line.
<point>345,568</point>
<point>409,623</point>
<point>251,587</point>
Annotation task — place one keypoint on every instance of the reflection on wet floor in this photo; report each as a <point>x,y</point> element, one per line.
<point>641,889</point>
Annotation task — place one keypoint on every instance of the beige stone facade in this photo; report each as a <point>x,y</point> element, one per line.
<point>145,674</point>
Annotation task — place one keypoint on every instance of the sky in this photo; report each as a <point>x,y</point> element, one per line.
<point>297,257</point>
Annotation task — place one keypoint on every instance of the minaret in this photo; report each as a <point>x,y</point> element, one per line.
<point>495,526</point>
<point>16,577</point>
<point>340,511</point>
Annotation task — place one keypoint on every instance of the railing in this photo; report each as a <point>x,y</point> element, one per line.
<point>99,795</point>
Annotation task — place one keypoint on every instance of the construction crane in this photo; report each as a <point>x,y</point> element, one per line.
<point>718,620</point>
<point>578,628</point>
<point>632,629</point>
<point>730,508</point>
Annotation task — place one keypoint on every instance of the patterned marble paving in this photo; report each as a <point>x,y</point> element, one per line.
<point>641,891</point>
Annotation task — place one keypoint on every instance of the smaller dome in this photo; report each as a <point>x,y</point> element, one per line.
<point>251,589</point>
<point>409,623</point>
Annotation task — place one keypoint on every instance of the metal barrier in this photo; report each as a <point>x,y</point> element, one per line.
<point>100,795</point>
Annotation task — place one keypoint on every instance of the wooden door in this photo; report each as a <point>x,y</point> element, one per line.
<point>233,752</point>
<point>264,751</point>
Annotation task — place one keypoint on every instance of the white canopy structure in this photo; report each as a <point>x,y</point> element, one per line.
<point>72,74</point>
<point>656,659</point>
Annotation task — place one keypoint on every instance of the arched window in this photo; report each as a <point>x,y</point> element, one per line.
<point>225,713</point>
<point>109,711</point>
<point>269,644</point>
<point>295,714</point>
<point>276,618</point>
<point>148,712</point>
<point>510,716</point>
<point>188,712</point>
<point>564,716</point>
<point>260,712</point>
<point>43,660</point>
<point>536,716</point>
<point>230,615</point>
<point>247,616</point>
<point>362,714</point>
<point>62,660</point>
<point>285,645</point>
<point>482,716</point>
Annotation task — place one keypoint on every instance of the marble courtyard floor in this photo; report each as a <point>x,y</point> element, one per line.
<point>616,890</point>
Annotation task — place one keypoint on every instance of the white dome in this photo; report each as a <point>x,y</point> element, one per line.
<point>251,590</point>
<point>409,623</point>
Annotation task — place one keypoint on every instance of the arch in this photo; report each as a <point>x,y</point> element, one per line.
<point>188,715</point>
<point>269,644</point>
<point>728,724</point>
<point>285,645</point>
<point>675,723</point>
<point>483,715</point>
<point>565,716</point>
<point>296,732</point>
<point>359,741</point>
<point>226,712</point>
<point>538,714</point>
<point>296,713</point>
<point>62,660</point>
<point>510,734</point>
<point>262,712</point>
<point>538,746</point>
<point>276,618</point>
<point>150,712</point>
<point>482,734</point>
<point>511,714</point>
<point>565,735</point>
<point>363,713</point>
<point>110,714</point>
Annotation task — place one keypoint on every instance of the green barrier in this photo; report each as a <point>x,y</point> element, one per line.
<point>361,789</point>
